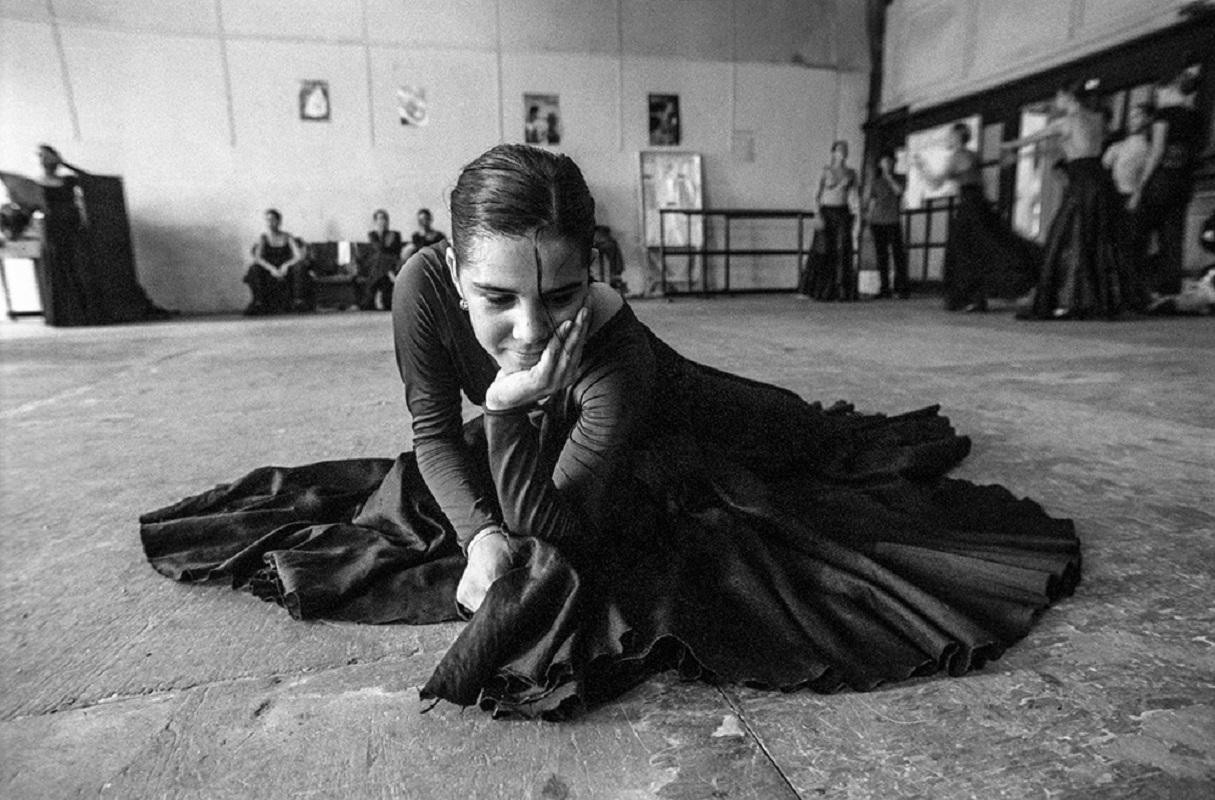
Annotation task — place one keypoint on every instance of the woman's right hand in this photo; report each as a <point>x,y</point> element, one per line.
<point>488,559</point>
<point>556,369</point>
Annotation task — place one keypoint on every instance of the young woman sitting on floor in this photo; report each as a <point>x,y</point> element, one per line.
<point>619,509</point>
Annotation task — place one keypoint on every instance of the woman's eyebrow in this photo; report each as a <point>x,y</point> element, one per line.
<point>486,287</point>
<point>569,287</point>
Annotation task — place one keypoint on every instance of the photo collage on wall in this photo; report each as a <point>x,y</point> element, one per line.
<point>542,123</point>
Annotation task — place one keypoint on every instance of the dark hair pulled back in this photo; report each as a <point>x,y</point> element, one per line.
<point>516,190</point>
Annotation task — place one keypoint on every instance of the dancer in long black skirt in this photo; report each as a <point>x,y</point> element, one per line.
<point>829,273</point>
<point>620,509</point>
<point>984,258</point>
<point>1085,270</point>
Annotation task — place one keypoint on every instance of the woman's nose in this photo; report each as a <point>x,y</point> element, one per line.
<point>531,324</point>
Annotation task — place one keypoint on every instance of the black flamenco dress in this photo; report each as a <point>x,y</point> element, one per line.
<point>828,273</point>
<point>663,514</point>
<point>1086,271</point>
<point>69,293</point>
<point>984,258</point>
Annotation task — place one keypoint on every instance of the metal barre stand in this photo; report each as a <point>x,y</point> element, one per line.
<point>704,251</point>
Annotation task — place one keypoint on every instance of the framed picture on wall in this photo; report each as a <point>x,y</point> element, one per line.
<point>314,101</point>
<point>664,120</point>
<point>672,180</point>
<point>542,119</point>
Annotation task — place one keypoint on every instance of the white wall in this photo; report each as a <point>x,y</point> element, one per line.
<point>194,102</point>
<point>940,49</point>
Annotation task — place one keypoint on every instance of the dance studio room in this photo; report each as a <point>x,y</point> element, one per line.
<point>564,399</point>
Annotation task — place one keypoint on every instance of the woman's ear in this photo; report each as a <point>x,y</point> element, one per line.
<point>454,270</point>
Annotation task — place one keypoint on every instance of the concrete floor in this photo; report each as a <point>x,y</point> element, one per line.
<point>117,682</point>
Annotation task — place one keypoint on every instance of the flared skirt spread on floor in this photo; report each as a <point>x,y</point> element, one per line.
<point>871,567</point>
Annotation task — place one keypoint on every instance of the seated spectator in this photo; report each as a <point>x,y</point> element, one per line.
<point>380,264</point>
<point>276,268</point>
<point>609,256</point>
<point>424,236</point>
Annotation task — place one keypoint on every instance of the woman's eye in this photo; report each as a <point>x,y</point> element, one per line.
<point>499,300</point>
<point>563,299</point>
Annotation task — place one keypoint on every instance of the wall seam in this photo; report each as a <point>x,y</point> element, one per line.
<point>225,72</point>
<point>367,65</point>
<point>733,74</point>
<point>498,57</point>
<point>620,71</point>
<point>69,94</point>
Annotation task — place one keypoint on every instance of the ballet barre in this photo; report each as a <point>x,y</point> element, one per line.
<point>702,250</point>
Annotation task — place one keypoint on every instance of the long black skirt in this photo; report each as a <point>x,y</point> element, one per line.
<point>984,257</point>
<point>869,567</point>
<point>1087,270</point>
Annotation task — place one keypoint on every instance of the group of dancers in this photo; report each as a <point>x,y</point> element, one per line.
<point>281,276</point>
<point>1095,261</point>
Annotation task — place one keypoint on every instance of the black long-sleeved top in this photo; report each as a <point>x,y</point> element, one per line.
<point>551,466</point>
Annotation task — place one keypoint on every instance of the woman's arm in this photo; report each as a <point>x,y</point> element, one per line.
<point>1160,131</point>
<point>1053,130</point>
<point>561,497</point>
<point>258,249</point>
<point>432,393</point>
<point>296,256</point>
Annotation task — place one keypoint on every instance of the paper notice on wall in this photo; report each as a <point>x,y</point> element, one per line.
<point>344,256</point>
<point>411,106</point>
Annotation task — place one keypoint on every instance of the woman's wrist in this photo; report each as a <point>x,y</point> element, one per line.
<point>488,532</point>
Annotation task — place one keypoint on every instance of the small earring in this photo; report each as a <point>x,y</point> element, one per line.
<point>463,304</point>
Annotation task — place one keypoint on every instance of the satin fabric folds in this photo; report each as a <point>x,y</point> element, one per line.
<point>861,566</point>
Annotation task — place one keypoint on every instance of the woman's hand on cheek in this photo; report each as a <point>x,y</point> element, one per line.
<point>555,370</point>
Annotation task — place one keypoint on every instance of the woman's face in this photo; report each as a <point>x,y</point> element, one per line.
<point>512,317</point>
<point>49,159</point>
<point>273,222</point>
<point>381,222</point>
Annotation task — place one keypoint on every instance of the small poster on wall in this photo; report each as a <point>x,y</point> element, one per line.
<point>542,119</point>
<point>664,120</point>
<point>411,105</point>
<point>314,101</point>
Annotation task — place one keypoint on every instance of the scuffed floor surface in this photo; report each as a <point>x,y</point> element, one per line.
<point>116,682</point>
